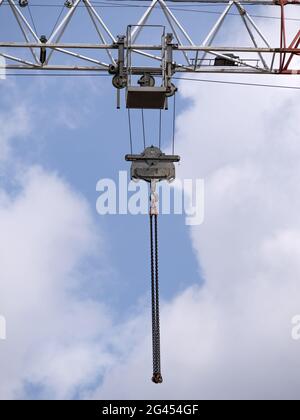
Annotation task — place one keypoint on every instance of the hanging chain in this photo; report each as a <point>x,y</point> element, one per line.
<point>157,378</point>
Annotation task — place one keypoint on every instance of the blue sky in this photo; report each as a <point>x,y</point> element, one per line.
<point>63,135</point>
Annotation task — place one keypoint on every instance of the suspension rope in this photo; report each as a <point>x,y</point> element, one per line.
<point>57,20</point>
<point>144,133</point>
<point>174,125</point>
<point>160,124</point>
<point>187,8</point>
<point>130,132</point>
<point>32,20</point>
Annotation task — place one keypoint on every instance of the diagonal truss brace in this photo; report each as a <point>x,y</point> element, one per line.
<point>260,57</point>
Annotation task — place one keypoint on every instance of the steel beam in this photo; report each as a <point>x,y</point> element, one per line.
<point>257,59</point>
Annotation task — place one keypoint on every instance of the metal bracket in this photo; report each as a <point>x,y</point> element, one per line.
<point>144,94</point>
<point>119,80</point>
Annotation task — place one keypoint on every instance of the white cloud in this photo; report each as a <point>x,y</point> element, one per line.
<point>13,124</point>
<point>56,336</point>
<point>53,336</point>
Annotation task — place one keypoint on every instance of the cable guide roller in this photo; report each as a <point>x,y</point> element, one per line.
<point>143,93</point>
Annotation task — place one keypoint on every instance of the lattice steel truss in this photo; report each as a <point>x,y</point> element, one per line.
<point>176,53</point>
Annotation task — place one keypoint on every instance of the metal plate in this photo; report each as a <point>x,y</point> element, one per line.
<point>146,97</point>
